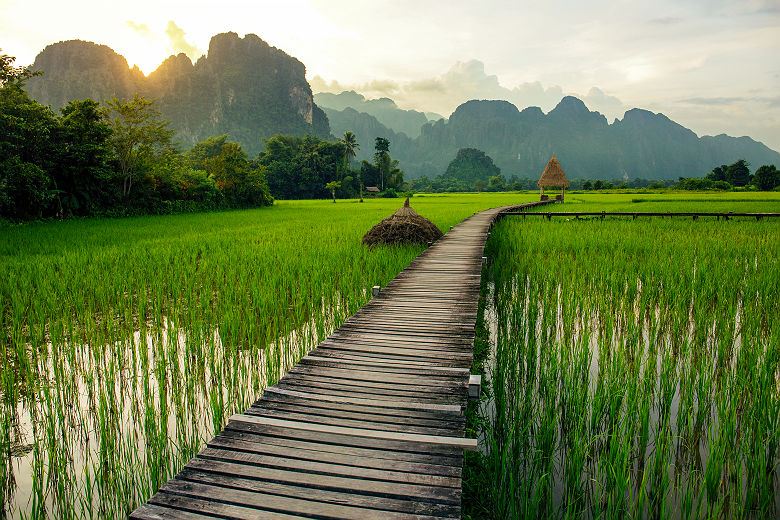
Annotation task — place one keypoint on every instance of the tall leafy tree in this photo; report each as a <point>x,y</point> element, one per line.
<point>83,177</point>
<point>241,180</point>
<point>767,177</point>
<point>27,147</point>
<point>382,157</point>
<point>138,135</point>
<point>738,174</point>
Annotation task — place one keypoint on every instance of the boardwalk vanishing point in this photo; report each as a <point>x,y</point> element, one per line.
<point>370,423</point>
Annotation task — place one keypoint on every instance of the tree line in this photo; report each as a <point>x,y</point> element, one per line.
<point>473,170</point>
<point>119,158</point>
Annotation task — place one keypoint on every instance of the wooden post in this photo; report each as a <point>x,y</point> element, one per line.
<point>475,384</point>
<point>375,290</point>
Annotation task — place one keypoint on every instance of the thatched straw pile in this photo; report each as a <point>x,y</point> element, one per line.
<point>405,226</point>
<point>553,175</point>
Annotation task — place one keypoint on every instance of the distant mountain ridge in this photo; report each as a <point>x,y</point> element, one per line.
<point>243,87</point>
<point>641,145</point>
<point>383,109</point>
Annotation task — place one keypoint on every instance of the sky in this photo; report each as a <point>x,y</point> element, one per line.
<point>711,65</point>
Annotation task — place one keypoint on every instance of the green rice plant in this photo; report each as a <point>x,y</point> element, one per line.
<point>655,344</point>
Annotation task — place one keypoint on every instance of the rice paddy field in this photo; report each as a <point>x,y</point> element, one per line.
<point>125,344</point>
<point>633,365</point>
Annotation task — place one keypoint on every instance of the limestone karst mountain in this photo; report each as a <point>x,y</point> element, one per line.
<point>242,87</point>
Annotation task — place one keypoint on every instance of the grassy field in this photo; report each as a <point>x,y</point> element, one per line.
<point>634,365</point>
<point>126,343</point>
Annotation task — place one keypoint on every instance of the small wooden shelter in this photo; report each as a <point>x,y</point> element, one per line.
<point>553,177</point>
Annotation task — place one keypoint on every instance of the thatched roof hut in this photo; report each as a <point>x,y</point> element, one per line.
<point>553,177</point>
<point>405,226</point>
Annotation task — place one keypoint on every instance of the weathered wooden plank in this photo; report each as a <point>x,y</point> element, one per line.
<point>355,374</point>
<point>382,365</point>
<point>321,495</point>
<point>376,407</point>
<point>266,504</point>
<point>343,420</point>
<point>364,448</point>
<point>383,421</point>
<point>340,469</point>
<point>193,503</point>
<point>235,440</point>
<point>155,512</point>
<point>458,442</point>
<point>235,466</point>
<point>373,401</point>
<point>368,392</point>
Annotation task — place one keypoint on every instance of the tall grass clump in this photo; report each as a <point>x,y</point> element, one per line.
<point>634,371</point>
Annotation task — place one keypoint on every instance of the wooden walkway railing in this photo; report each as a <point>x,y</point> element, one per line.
<point>370,423</point>
<point>635,214</point>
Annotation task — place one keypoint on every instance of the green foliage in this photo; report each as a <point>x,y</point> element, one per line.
<point>496,183</point>
<point>12,76</point>
<point>738,174</point>
<point>471,165</point>
<point>333,186</point>
<point>694,183</point>
<point>203,150</point>
<point>300,167</point>
<point>28,150</point>
<point>83,178</point>
<point>138,136</point>
<point>242,182</point>
<point>767,177</point>
<point>24,189</point>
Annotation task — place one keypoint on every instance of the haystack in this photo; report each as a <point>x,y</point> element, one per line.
<point>553,177</point>
<point>405,226</point>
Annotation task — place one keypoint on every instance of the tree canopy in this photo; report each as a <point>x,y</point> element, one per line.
<point>471,165</point>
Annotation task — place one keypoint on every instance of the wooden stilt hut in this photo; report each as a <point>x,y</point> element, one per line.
<point>553,177</point>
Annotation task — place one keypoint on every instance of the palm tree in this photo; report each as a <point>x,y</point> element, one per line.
<point>350,147</point>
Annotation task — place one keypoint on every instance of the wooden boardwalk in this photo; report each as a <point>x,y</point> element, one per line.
<point>370,423</point>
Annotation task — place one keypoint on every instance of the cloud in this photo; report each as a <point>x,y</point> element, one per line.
<point>467,80</point>
<point>712,101</point>
<point>608,105</point>
<point>177,43</point>
<point>141,29</point>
